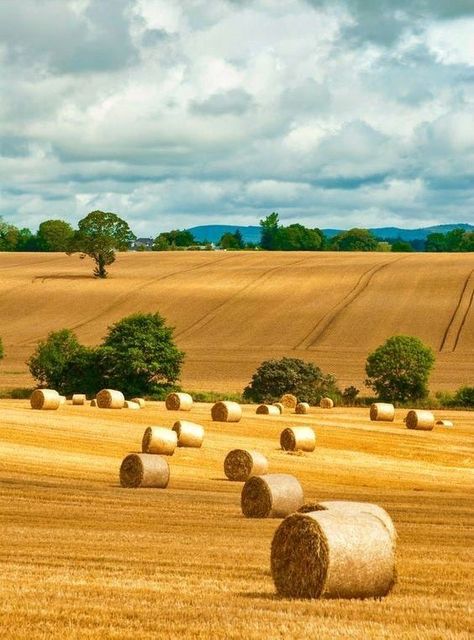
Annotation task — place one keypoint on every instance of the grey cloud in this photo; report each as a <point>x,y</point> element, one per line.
<point>234,102</point>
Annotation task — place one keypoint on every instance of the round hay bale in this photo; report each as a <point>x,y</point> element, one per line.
<point>280,406</point>
<point>144,470</point>
<point>302,407</point>
<point>159,440</point>
<point>79,398</point>
<point>62,400</point>
<point>271,496</point>
<point>325,554</point>
<point>179,402</point>
<point>93,402</point>
<point>140,401</point>
<point>189,434</point>
<point>268,410</point>
<point>420,420</point>
<point>129,404</point>
<point>298,438</point>
<point>45,399</point>
<point>350,508</point>
<point>240,464</point>
<point>326,403</point>
<point>289,401</point>
<point>382,412</point>
<point>444,423</point>
<point>110,399</point>
<point>226,411</point>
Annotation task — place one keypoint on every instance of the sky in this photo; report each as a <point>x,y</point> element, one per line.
<point>176,113</point>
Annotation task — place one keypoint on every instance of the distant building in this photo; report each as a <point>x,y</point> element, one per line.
<point>143,244</point>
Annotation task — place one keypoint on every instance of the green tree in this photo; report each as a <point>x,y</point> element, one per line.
<point>400,246</point>
<point>354,240</point>
<point>467,241</point>
<point>99,236</point>
<point>171,239</point>
<point>305,380</point>
<point>268,230</point>
<point>464,397</point>
<point>138,354</point>
<point>9,236</point>
<point>232,240</point>
<point>296,237</point>
<point>399,369</point>
<point>435,242</point>
<point>54,235</point>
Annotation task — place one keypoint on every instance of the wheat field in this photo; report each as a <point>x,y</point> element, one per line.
<point>232,310</point>
<point>83,558</point>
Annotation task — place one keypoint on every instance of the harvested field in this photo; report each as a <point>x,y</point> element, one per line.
<point>82,557</point>
<point>215,301</point>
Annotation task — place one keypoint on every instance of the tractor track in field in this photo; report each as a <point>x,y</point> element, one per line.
<point>452,334</point>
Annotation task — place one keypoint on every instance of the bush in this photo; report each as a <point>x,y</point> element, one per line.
<point>399,369</point>
<point>305,380</point>
<point>464,397</point>
<point>349,396</point>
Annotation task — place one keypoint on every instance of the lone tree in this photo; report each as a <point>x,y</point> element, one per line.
<point>54,235</point>
<point>354,240</point>
<point>99,236</point>
<point>399,369</point>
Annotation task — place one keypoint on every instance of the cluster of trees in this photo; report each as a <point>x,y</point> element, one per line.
<point>454,241</point>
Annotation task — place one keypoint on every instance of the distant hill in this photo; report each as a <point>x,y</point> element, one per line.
<point>214,232</point>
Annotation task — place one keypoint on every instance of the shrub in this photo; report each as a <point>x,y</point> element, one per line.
<point>305,380</point>
<point>349,396</point>
<point>50,362</point>
<point>464,397</point>
<point>399,369</point>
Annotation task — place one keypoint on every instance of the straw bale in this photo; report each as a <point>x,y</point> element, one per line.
<point>326,403</point>
<point>382,412</point>
<point>271,496</point>
<point>93,402</point>
<point>79,398</point>
<point>444,423</point>
<point>45,399</point>
<point>179,402</point>
<point>159,440</point>
<point>280,406</point>
<point>226,411</point>
<point>420,420</point>
<point>62,400</point>
<point>327,554</point>
<point>144,470</point>
<point>189,434</point>
<point>241,464</point>
<point>110,399</point>
<point>302,407</point>
<point>268,410</point>
<point>140,401</point>
<point>289,401</point>
<point>298,438</point>
<point>129,404</point>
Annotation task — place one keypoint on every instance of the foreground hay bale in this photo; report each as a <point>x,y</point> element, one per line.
<point>140,401</point>
<point>289,401</point>
<point>189,434</point>
<point>302,407</point>
<point>179,402</point>
<point>226,411</point>
<point>79,398</point>
<point>144,470</point>
<point>444,423</point>
<point>110,399</point>
<point>326,403</point>
<point>279,406</point>
<point>268,410</point>
<point>159,440</point>
<point>298,438</point>
<point>421,420</point>
<point>271,496</point>
<point>45,399</point>
<point>382,412</point>
<point>329,555</point>
<point>129,404</point>
<point>240,464</point>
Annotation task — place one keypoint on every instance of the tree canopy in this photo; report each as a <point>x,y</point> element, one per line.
<point>355,240</point>
<point>295,237</point>
<point>54,235</point>
<point>169,240</point>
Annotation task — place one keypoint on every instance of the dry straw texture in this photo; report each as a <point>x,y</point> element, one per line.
<point>79,399</point>
<point>241,464</point>
<point>189,434</point>
<point>144,470</point>
<point>444,423</point>
<point>179,402</point>
<point>289,401</point>
<point>93,402</point>
<point>110,399</point>
<point>226,411</point>
<point>45,399</point>
<point>271,496</point>
<point>62,399</point>
<point>326,403</point>
<point>280,406</point>
<point>159,440</point>
<point>302,407</point>
<point>129,404</point>
<point>140,401</point>
<point>382,412</point>
<point>298,439</point>
<point>268,410</point>
<point>420,419</point>
<point>326,554</point>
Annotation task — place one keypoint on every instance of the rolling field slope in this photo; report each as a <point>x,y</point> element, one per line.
<point>81,557</point>
<point>233,310</point>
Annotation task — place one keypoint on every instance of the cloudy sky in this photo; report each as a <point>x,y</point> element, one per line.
<point>174,113</point>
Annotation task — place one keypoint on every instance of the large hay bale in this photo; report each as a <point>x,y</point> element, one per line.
<point>302,407</point>
<point>350,508</point>
<point>325,554</point>
<point>420,420</point>
<point>326,403</point>
<point>271,496</point>
<point>298,438</point>
<point>129,404</point>
<point>289,401</point>
<point>444,423</point>
<point>268,410</point>
<point>226,411</point>
<point>45,399</point>
<point>382,412</point>
<point>144,470</point>
<point>110,399</point>
<point>280,406</point>
<point>159,440</point>
<point>189,434</point>
<point>240,464</point>
<point>79,398</point>
<point>179,402</point>
<point>140,401</point>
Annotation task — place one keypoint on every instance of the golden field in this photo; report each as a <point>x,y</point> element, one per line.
<point>233,310</point>
<point>83,558</point>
